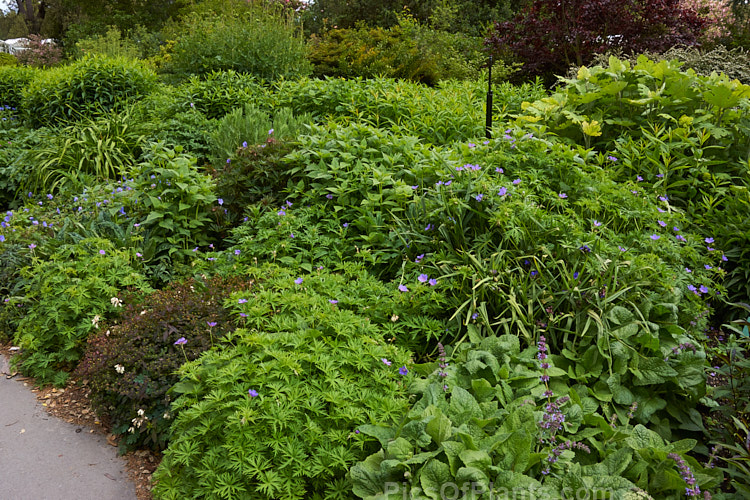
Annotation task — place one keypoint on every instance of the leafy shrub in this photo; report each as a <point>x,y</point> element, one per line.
<point>258,40</point>
<point>132,363</point>
<point>550,37</point>
<point>111,44</point>
<point>8,59</point>
<point>68,292</point>
<point>189,130</point>
<point>39,53</point>
<point>495,418</point>
<point>452,112</point>
<point>12,82</point>
<point>174,203</point>
<point>274,413</point>
<point>717,16</point>
<point>405,51</point>
<point>85,88</point>
<point>219,92</point>
<point>99,148</point>
<point>252,126</point>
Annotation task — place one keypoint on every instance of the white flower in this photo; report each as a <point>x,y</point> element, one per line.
<point>141,412</point>
<point>95,321</point>
<point>119,368</point>
<point>116,302</point>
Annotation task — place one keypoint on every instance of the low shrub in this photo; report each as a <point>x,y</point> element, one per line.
<point>259,40</point>
<point>85,88</point>
<point>406,51</point>
<point>8,59</point>
<point>68,292</point>
<point>111,44</point>
<point>130,364</point>
<point>39,53</point>
<point>217,93</point>
<point>12,82</point>
<point>273,413</point>
<point>494,418</point>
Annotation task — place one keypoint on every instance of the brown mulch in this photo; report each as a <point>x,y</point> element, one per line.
<point>72,404</point>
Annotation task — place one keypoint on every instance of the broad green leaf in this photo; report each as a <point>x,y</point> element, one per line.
<point>432,478</point>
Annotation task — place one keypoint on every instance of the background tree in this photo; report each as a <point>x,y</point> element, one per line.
<point>548,37</point>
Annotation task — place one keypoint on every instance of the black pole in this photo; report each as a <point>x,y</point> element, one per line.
<point>488,122</point>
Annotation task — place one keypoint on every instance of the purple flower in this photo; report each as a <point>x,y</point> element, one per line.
<point>688,270</point>
<point>692,288</point>
<point>707,267</point>
<point>432,282</point>
<point>662,223</point>
<point>102,252</point>
<point>229,160</point>
<point>423,278</point>
<point>479,197</point>
<point>663,198</point>
<point>562,195</point>
<point>237,252</point>
<point>622,249</point>
<point>32,246</point>
<point>655,237</point>
<point>402,288</point>
<point>534,273</point>
<point>181,341</point>
<point>281,212</point>
<point>502,191</point>
<point>419,258</point>
<point>710,249</point>
<point>244,144</point>
<point>709,240</point>
<point>584,249</point>
<point>333,301</point>
<point>138,254</point>
<point>429,227</point>
<point>329,196</point>
<point>499,170</point>
<point>680,237</point>
<point>403,370</point>
<point>241,301</point>
<point>703,289</point>
<point>252,393</point>
<point>575,275</point>
<point>211,323</point>
<point>597,223</point>
<point>471,144</point>
<point>724,258</point>
<point>385,361</point>
<point>221,202</point>
<point>611,158</point>
<point>516,182</point>
<point>639,178</point>
<point>298,281</point>
<point>270,132</point>
<point>2,238</point>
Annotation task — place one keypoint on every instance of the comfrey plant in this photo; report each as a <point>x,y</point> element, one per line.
<point>512,422</point>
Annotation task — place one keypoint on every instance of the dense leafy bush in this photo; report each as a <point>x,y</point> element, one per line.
<point>84,88</point>
<point>132,363</point>
<point>496,418</point>
<point>219,92</point>
<point>550,37</point>
<point>256,40</point>
<point>40,53</point>
<point>452,112</point>
<point>68,292</point>
<point>249,126</point>
<point>8,59</point>
<point>111,44</point>
<point>12,82</point>
<point>405,51</point>
<point>273,414</point>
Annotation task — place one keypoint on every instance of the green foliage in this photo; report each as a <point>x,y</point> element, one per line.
<point>257,40</point>
<point>12,82</point>
<point>452,112</point>
<point>131,363</point>
<point>487,419</point>
<point>67,289</point>
<point>174,202</point>
<point>251,126</point>
<point>111,44</point>
<point>85,88</point>
<point>8,59</point>
<point>101,148</point>
<point>406,51</point>
<point>217,93</point>
<point>273,413</point>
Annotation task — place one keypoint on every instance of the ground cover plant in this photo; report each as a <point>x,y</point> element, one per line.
<point>434,300</point>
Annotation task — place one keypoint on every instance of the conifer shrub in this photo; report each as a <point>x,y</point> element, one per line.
<point>131,363</point>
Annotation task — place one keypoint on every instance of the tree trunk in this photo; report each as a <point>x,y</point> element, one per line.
<point>31,14</point>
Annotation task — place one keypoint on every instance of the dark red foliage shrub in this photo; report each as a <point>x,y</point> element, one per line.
<point>131,365</point>
<point>550,36</point>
